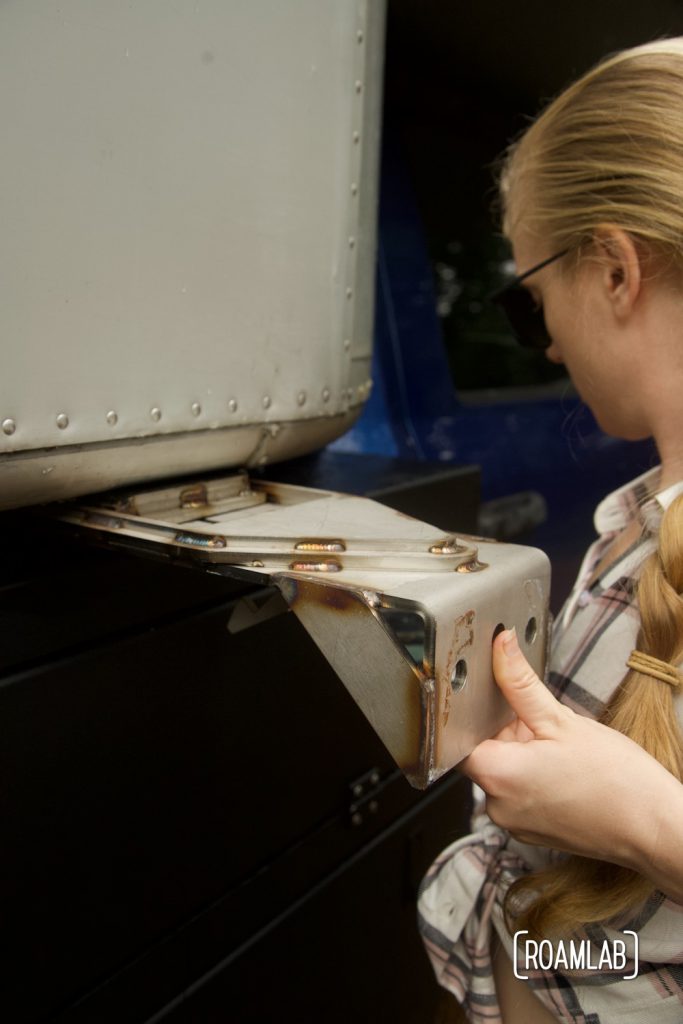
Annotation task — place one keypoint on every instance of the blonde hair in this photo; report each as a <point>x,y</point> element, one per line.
<point>609,150</point>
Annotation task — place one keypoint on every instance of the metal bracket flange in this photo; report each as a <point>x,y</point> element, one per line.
<point>404,615</point>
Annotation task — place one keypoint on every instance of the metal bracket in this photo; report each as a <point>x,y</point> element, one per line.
<point>404,614</point>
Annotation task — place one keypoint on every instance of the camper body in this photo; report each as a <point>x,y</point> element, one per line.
<point>189,214</point>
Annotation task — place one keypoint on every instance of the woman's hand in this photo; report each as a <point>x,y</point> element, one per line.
<point>558,779</point>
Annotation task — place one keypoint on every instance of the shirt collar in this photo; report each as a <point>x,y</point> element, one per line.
<point>639,499</point>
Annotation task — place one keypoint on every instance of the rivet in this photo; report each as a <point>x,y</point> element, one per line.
<point>373,807</point>
<point>196,408</point>
<point>232,405</point>
<point>265,401</point>
<point>112,418</point>
<point>301,398</point>
<point>359,36</point>
<point>8,426</point>
<point>62,421</point>
<point>374,778</point>
<point>155,413</point>
<point>354,189</point>
<point>326,394</point>
<point>356,819</point>
<point>359,86</point>
<point>347,344</point>
<point>352,242</point>
<point>358,789</point>
<point>356,137</point>
<point>349,293</point>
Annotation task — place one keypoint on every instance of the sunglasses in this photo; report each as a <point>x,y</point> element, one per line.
<point>524,316</point>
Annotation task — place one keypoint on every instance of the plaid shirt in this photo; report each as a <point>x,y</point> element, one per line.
<point>461,897</point>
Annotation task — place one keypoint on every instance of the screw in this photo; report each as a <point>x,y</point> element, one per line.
<point>358,789</point>
<point>374,778</point>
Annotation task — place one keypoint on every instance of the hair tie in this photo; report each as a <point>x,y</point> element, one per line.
<point>655,667</point>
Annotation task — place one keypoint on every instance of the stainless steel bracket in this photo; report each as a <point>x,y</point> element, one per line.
<point>405,615</point>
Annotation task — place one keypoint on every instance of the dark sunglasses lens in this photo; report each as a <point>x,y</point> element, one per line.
<point>524,317</point>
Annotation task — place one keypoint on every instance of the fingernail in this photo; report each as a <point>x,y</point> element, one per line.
<point>510,645</point>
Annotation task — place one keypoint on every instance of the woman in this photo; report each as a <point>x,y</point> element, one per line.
<point>593,206</point>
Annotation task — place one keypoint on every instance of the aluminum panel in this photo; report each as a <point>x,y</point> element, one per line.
<point>188,205</point>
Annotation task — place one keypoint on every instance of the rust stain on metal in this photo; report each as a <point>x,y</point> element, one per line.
<point>273,492</point>
<point>463,636</point>
<point>303,592</point>
<point>195,496</point>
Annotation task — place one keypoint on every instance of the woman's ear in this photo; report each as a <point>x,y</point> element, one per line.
<point>621,264</point>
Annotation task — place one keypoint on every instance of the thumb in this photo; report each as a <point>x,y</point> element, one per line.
<point>528,697</point>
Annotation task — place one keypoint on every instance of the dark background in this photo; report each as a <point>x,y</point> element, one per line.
<point>462,80</point>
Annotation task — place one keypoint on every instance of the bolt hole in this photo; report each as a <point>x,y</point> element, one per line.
<point>531,630</point>
<point>459,676</point>
<point>499,629</point>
